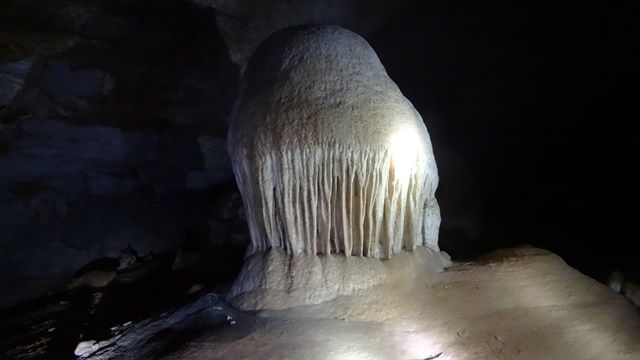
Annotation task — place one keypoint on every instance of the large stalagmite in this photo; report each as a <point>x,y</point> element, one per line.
<point>336,171</point>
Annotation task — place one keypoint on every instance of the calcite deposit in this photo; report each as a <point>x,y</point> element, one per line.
<point>331,160</point>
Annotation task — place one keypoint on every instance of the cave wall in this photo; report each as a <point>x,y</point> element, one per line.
<point>113,120</point>
<point>112,133</point>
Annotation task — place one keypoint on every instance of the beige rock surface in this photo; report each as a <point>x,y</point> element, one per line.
<point>274,280</point>
<point>515,304</point>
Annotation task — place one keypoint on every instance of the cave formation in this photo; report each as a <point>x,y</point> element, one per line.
<point>330,158</point>
<point>230,179</point>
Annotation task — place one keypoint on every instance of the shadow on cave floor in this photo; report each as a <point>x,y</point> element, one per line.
<point>51,326</point>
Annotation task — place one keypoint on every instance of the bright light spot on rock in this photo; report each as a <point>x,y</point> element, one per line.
<point>405,145</point>
<point>353,355</point>
<point>85,348</point>
<point>415,344</point>
<point>418,347</point>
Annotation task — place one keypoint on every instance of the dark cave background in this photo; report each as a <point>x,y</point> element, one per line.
<point>113,123</point>
<point>533,100</point>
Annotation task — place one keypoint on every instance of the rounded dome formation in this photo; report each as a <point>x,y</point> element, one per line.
<point>329,156</point>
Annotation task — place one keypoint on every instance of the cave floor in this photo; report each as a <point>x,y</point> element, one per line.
<point>520,303</point>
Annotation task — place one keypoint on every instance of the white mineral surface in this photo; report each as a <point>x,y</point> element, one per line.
<point>328,154</point>
<point>332,162</point>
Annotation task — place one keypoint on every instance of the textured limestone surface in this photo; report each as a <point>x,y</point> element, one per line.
<point>274,280</point>
<point>328,154</point>
<point>515,304</point>
<point>330,158</point>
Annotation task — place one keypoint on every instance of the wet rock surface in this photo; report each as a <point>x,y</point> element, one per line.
<point>523,303</point>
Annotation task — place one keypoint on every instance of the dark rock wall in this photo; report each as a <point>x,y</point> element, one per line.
<point>113,138</point>
<point>245,23</point>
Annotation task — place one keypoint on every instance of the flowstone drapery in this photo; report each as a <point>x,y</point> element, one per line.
<point>332,162</point>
